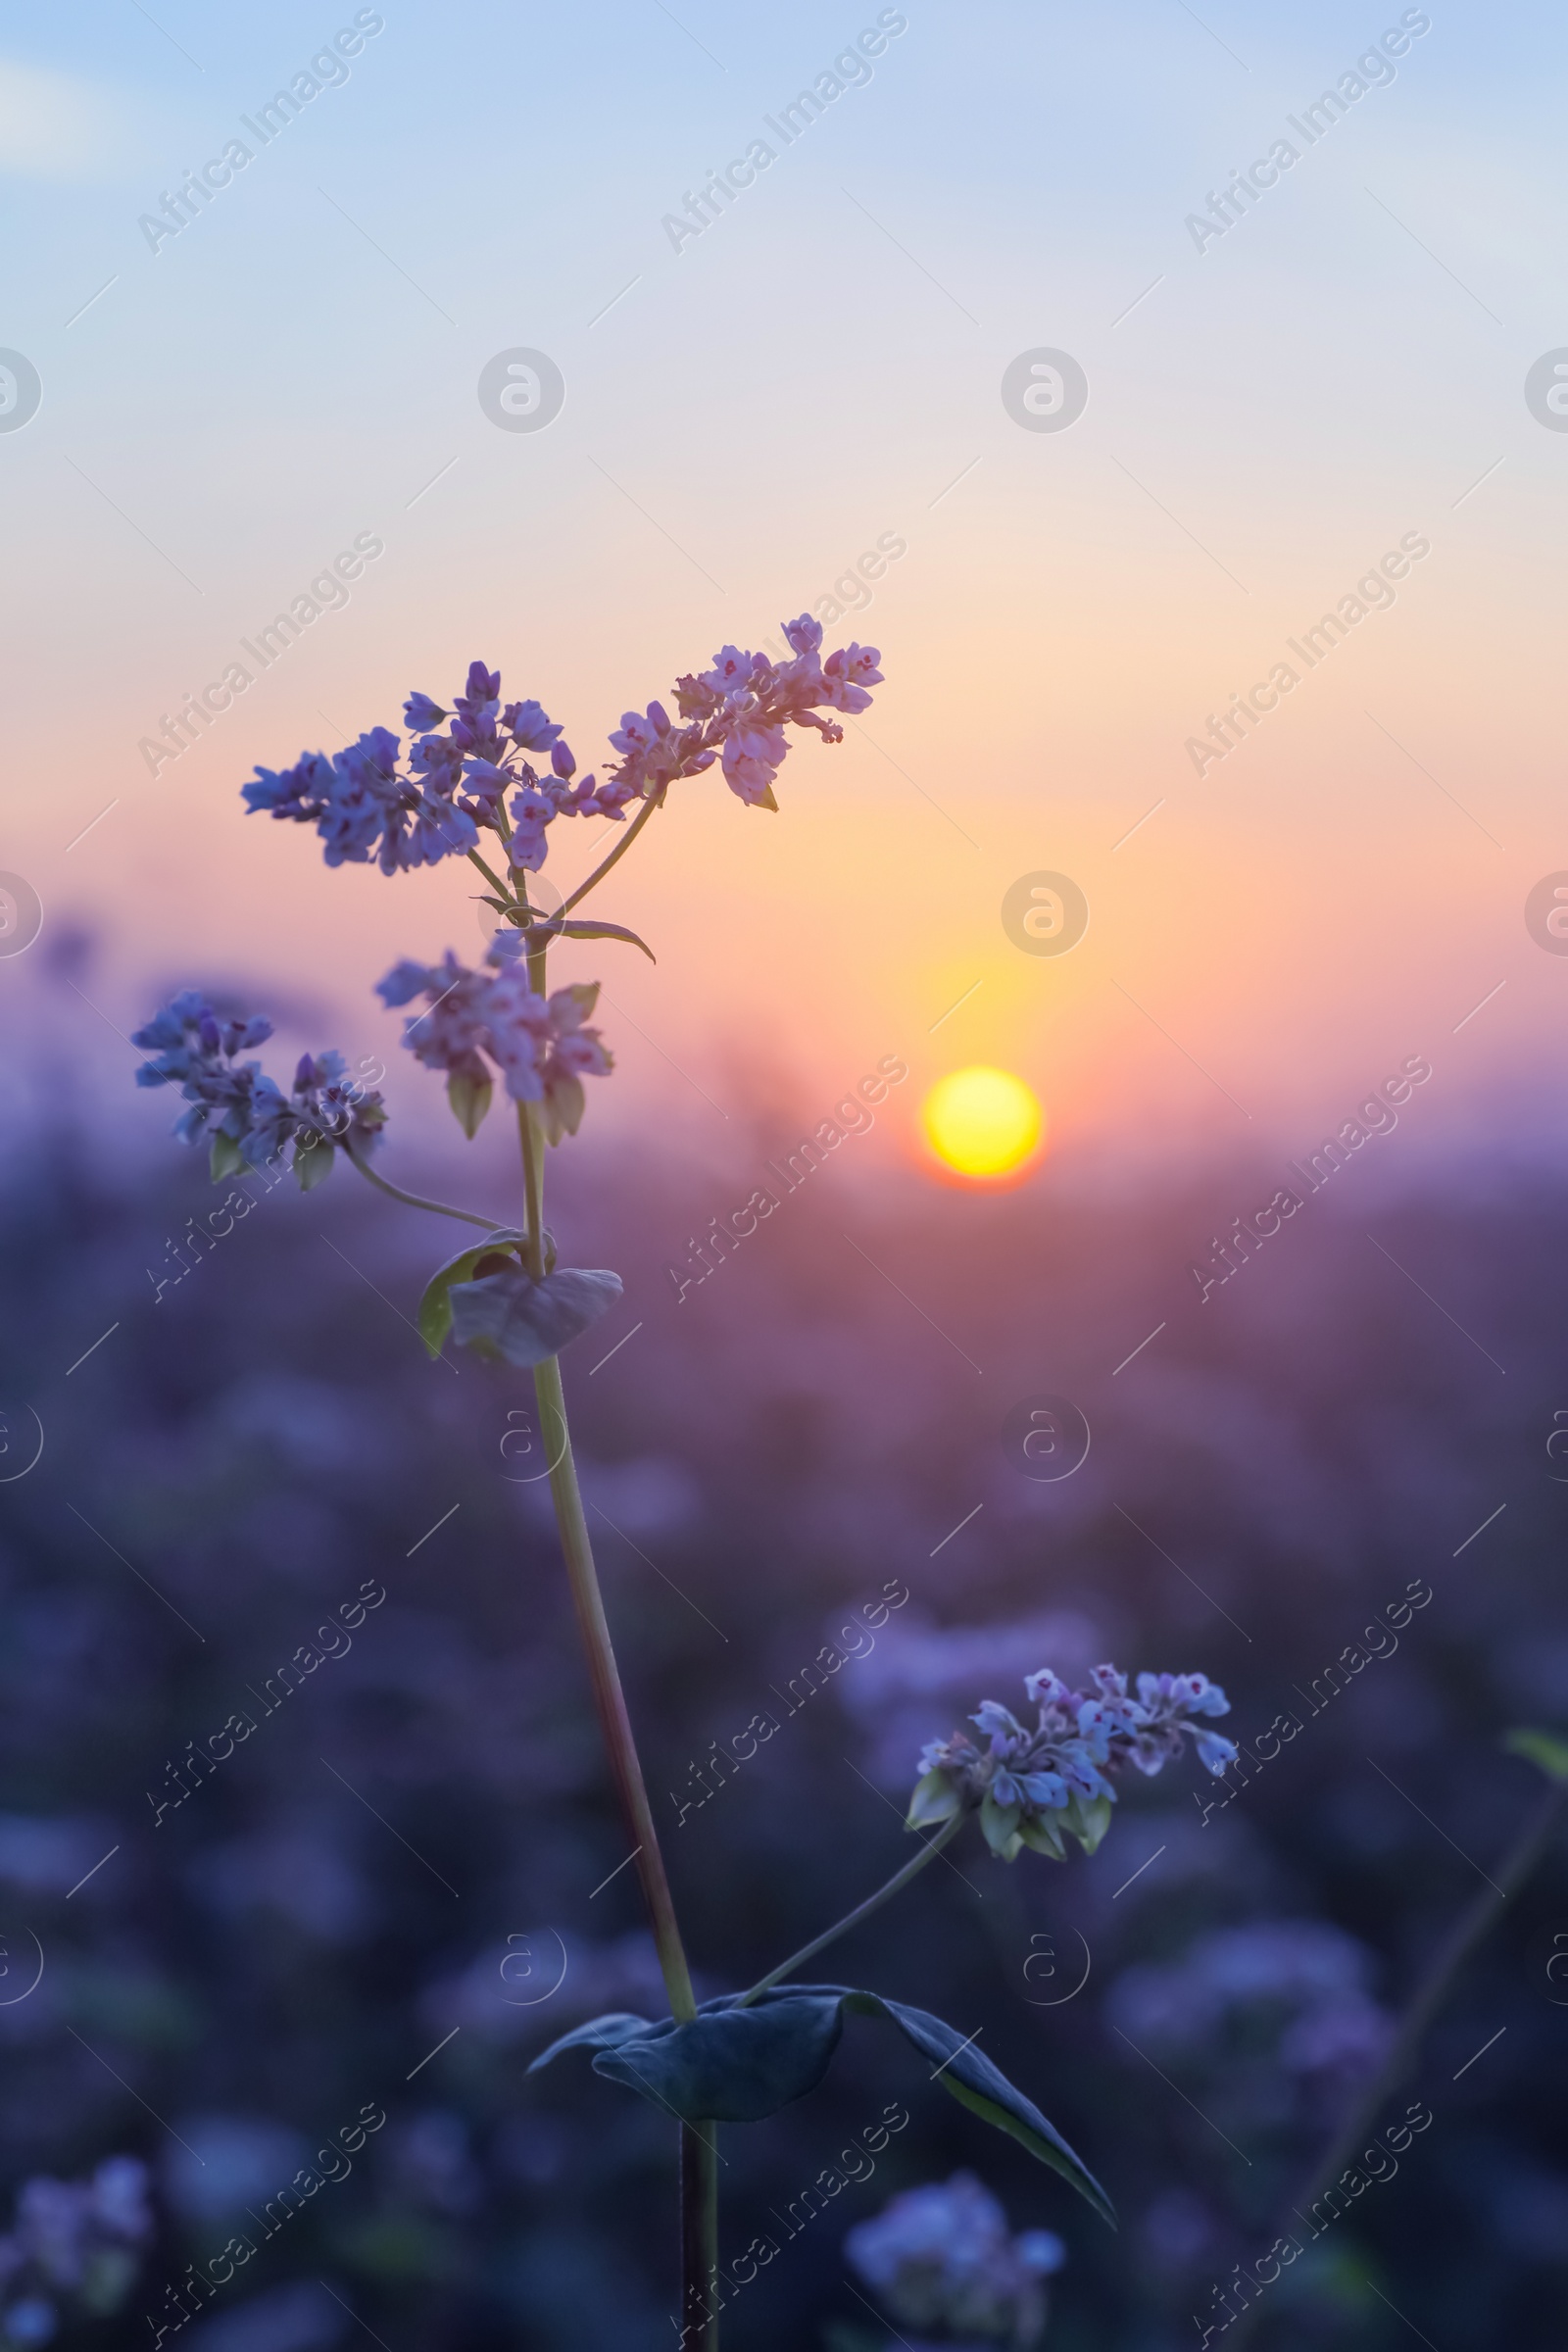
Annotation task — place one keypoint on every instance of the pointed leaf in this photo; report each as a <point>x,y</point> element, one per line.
<point>511,1316</point>
<point>435,1307</point>
<point>599,2033</point>
<point>563,1105</point>
<point>1088,1818</point>
<point>935,1799</point>
<point>734,2065</point>
<point>1040,1834</point>
<point>469,1096</point>
<point>976,2084</point>
<point>1001,1826</point>
<point>225,1157</point>
<point>573,929</point>
<point>312,1163</point>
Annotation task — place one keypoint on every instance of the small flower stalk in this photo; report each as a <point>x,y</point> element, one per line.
<point>542,1045</point>
<point>244,1115</point>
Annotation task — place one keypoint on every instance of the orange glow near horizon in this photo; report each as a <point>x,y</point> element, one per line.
<point>983,1123</point>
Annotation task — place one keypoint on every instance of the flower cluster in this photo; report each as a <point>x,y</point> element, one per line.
<point>70,2252</point>
<point>459,775</point>
<point>540,1044</point>
<point>943,2258</point>
<point>246,1114</point>
<point>738,709</point>
<point>1031,1786</point>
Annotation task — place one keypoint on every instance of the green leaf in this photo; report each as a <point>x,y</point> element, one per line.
<point>1040,1834</point>
<point>935,1799</point>
<point>1545,1749</point>
<point>225,1157</point>
<point>562,1107</point>
<point>312,1163</point>
<point>469,1096</point>
<point>1001,1826</point>
<point>571,928</point>
<point>737,2065</point>
<point>1088,1818</point>
<point>435,1307</point>
<point>519,1321</point>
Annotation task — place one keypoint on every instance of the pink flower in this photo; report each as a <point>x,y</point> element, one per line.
<point>732,670</point>
<point>848,674</point>
<point>754,753</point>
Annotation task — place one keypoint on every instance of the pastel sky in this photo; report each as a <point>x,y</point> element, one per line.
<point>816,375</point>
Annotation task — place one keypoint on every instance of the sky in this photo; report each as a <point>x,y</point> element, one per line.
<point>799,402</point>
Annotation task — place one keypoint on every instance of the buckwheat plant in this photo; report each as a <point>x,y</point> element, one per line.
<point>487,781</point>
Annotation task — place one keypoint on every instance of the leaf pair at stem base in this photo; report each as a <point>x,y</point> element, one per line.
<point>734,2064</point>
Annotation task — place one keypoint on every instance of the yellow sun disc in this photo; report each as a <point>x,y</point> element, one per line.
<point>983,1122</point>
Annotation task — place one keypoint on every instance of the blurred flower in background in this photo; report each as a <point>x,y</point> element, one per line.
<point>1282,2001</point>
<point>943,2260</point>
<point>73,2250</point>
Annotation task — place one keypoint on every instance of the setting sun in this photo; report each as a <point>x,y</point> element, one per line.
<point>983,1122</point>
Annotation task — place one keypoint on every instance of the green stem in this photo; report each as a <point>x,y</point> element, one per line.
<point>496,883</point>
<point>699,2224</point>
<point>620,851</point>
<point>852,1919</point>
<point>412,1200</point>
<point>699,2174</point>
<point>1473,1923</point>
